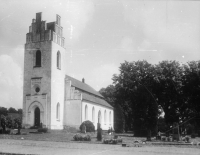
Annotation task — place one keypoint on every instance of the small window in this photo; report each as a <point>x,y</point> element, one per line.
<point>86,112</point>
<point>38,59</point>
<point>58,60</point>
<point>58,111</point>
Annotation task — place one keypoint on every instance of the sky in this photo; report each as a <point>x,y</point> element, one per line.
<point>99,35</point>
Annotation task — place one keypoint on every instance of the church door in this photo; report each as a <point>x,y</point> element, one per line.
<point>37,117</point>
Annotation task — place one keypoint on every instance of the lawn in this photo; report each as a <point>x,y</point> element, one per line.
<point>65,136</point>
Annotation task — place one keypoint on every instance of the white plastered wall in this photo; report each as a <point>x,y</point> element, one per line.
<point>57,86</point>
<point>106,123</point>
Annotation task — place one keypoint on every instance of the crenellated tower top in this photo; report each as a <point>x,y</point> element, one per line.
<point>41,31</point>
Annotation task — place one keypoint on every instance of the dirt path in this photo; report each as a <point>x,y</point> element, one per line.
<point>72,148</point>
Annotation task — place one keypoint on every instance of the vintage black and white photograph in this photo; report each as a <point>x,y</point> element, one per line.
<point>99,77</point>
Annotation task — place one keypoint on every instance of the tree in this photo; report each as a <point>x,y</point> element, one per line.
<point>169,90</point>
<point>191,90</point>
<point>3,123</point>
<point>19,111</point>
<point>3,111</point>
<point>109,94</point>
<point>12,110</point>
<point>134,91</point>
<point>18,124</point>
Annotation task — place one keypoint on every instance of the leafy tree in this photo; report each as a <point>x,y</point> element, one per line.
<point>169,90</point>
<point>191,90</point>
<point>3,123</point>
<point>18,124</point>
<point>9,122</point>
<point>12,110</point>
<point>3,111</point>
<point>109,95</point>
<point>19,111</point>
<point>134,88</point>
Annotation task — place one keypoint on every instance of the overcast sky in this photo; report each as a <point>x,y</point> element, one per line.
<point>100,34</point>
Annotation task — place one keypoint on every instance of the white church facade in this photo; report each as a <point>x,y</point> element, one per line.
<point>50,96</point>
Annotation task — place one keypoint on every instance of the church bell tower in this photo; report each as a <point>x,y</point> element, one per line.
<point>44,73</point>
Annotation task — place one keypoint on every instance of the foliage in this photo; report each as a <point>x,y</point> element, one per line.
<point>187,139</point>
<point>143,92</point>
<point>44,130</point>
<point>34,127</point>
<point>3,111</point>
<point>134,91</point>
<point>89,126</point>
<point>80,137</point>
<point>109,94</point>
<point>18,124</point>
<point>3,123</point>
<point>12,110</point>
<point>162,126</point>
<point>9,122</point>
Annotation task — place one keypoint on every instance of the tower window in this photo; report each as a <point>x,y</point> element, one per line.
<point>38,59</point>
<point>58,60</point>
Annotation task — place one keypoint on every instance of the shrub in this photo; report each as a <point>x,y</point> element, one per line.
<point>89,126</point>
<point>44,130</point>
<point>187,139</point>
<point>163,138</point>
<point>79,137</point>
<point>34,127</point>
<point>193,135</point>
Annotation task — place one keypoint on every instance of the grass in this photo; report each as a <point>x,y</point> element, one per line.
<point>65,136</point>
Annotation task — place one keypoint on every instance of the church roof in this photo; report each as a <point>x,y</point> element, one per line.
<point>83,86</point>
<point>94,99</point>
<point>86,88</point>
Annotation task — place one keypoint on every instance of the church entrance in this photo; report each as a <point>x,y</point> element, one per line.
<point>37,117</point>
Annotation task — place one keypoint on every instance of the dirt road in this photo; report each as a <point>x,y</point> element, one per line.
<point>72,148</point>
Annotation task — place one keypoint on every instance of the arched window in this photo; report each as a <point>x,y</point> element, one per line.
<point>99,117</point>
<point>58,111</point>
<point>93,115</point>
<point>38,59</point>
<point>110,117</point>
<point>105,117</point>
<point>58,60</point>
<point>86,112</point>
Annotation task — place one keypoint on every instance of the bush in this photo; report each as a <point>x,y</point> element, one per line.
<point>79,137</point>
<point>163,138</point>
<point>89,126</point>
<point>193,135</point>
<point>34,127</point>
<point>187,139</point>
<point>44,130</point>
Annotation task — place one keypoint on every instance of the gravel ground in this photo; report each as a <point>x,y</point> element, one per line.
<point>74,148</point>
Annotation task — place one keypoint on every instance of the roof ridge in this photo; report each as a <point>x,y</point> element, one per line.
<point>83,86</point>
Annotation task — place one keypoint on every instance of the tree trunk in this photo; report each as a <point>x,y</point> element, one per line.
<point>148,135</point>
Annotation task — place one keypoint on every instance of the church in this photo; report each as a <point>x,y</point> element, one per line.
<point>50,96</point>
